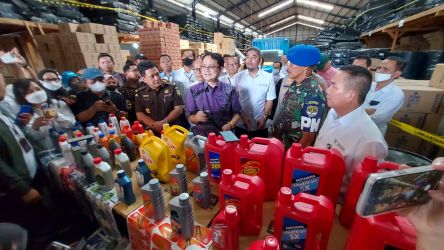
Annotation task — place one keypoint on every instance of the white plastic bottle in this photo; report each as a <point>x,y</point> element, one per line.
<point>123,162</point>
<point>104,174</point>
<point>103,127</point>
<point>66,150</point>
<point>123,122</point>
<point>115,122</point>
<point>90,128</point>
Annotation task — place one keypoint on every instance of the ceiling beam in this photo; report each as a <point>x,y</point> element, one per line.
<point>234,6</point>
<point>294,13</point>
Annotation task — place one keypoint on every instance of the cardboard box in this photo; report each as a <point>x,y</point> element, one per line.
<point>101,48</point>
<point>77,37</point>
<point>68,27</point>
<point>184,44</point>
<point>78,47</point>
<point>421,99</point>
<point>93,28</point>
<point>414,119</point>
<point>437,79</point>
<point>114,48</point>
<point>109,39</point>
<point>435,39</point>
<point>432,123</point>
<point>109,30</point>
<point>403,141</point>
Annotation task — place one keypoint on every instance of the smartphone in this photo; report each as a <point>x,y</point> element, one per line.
<point>393,190</point>
<point>23,109</point>
<point>8,58</point>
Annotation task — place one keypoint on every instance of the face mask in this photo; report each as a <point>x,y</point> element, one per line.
<point>51,85</point>
<point>275,71</point>
<point>187,61</point>
<point>97,87</point>
<point>111,87</point>
<point>380,77</point>
<point>37,97</point>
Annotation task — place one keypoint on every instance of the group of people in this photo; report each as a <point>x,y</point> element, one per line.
<point>304,100</point>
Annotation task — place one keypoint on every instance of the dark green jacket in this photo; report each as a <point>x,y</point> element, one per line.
<point>15,179</point>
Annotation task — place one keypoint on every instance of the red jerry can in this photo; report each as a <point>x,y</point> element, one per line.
<point>246,193</point>
<point>380,231</point>
<point>314,171</point>
<point>368,166</point>
<point>263,157</point>
<point>269,243</point>
<point>302,221</point>
<point>225,229</point>
<point>219,156</point>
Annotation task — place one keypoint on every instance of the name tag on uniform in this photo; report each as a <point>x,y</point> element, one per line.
<point>373,103</point>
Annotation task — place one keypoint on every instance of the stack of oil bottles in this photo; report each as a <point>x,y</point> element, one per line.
<point>304,183</point>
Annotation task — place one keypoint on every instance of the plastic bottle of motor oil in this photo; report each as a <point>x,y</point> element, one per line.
<point>90,128</point>
<point>195,153</point>
<point>54,138</point>
<point>225,229</point>
<point>128,147</point>
<point>125,187</point>
<point>75,149</point>
<point>219,156</point>
<point>113,136</point>
<point>182,219</point>
<point>90,171</point>
<point>103,140</point>
<point>157,157</point>
<point>153,201</point>
<point>123,162</point>
<point>92,147</point>
<point>137,128</point>
<point>201,190</point>
<point>269,243</point>
<point>178,180</point>
<point>175,137</point>
<point>103,127</point>
<point>126,130</point>
<point>113,145</point>
<point>104,174</point>
<point>143,173</point>
<point>103,153</point>
<point>115,122</point>
<point>124,122</point>
<point>66,150</point>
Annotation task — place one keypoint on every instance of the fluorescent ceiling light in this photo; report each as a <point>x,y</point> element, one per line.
<point>248,30</point>
<point>325,6</point>
<point>205,9</point>
<point>274,8</point>
<point>288,26</point>
<point>226,19</point>
<point>283,21</point>
<point>310,19</point>
<point>239,26</point>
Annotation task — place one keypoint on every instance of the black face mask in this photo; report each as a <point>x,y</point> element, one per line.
<point>111,87</point>
<point>187,61</point>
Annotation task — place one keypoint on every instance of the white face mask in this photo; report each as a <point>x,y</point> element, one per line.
<point>51,85</point>
<point>37,97</point>
<point>276,71</point>
<point>97,87</point>
<point>380,77</point>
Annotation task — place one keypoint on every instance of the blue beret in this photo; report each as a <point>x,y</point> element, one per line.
<point>304,55</point>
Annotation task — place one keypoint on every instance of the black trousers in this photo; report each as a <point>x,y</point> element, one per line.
<point>251,134</point>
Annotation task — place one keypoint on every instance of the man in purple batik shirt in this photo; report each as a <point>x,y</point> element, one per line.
<point>212,105</point>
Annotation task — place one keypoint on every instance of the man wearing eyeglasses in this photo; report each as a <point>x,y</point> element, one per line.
<point>158,102</point>
<point>232,67</point>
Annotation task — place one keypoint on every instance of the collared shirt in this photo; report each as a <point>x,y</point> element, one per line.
<point>277,77</point>
<point>328,74</point>
<point>87,99</point>
<point>301,110</point>
<point>253,93</point>
<point>220,103</point>
<point>184,80</point>
<point>157,104</point>
<point>284,71</point>
<point>355,136</point>
<point>228,79</point>
<point>129,93</point>
<point>387,101</point>
<point>168,78</point>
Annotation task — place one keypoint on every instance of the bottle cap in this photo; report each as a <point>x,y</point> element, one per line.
<point>117,151</point>
<point>97,160</point>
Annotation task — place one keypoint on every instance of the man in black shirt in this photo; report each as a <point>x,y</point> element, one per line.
<point>97,103</point>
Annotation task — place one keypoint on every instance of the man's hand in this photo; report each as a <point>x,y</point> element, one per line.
<point>200,116</point>
<point>261,123</point>
<point>226,127</point>
<point>370,111</point>
<point>40,122</point>
<point>157,126</point>
<point>32,196</point>
<point>68,100</point>
<point>25,118</point>
<point>100,106</point>
<point>111,108</point>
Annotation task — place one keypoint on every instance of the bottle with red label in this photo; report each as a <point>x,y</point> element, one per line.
<point>314,171</point>
<point>382,231</point>
<point>368,166</point>
<point>269,243</point>
<point>219,156</point>
<point>225,228</point>
<point>246,193</point>
<point>302,221</point>
<point>263,157</point>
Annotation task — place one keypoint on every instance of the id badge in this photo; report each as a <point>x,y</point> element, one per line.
<point>25,145</point>
<point>373,103</point>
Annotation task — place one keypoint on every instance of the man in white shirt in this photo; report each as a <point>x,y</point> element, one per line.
<point>256,94</point>
<point>167,65</point>
<point>385,98</point>
<point>232,67</point>
<point>347,127</point>
<point>185,76</point>
<point>284,61</point>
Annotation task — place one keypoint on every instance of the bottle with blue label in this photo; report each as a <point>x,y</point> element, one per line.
<point>182,219</point>
<point>143,173</point>
<point>125,188</point>
<point>201,190</point>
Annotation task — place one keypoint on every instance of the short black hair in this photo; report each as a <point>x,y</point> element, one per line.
<point>47,70</point>
<point>127,65</point>
<point>105,55</point>
<point>367,59</point>
<point>226,55</point>
<point>258,51</point>
<point>280,64</point>
<point>215,56</point>
<point>359,79</point>
<point>400,62</point>
<point>165,55</point>
<point>145,65</point>
<point>192,51</point>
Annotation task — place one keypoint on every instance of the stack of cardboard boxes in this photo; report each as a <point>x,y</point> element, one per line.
<point>224,45</point>
<point>77,46</point>
<point>423,108</point>
<point>157,38</point>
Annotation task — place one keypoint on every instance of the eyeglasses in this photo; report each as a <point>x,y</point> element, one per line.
<point>232,64</point>
<point>197,69</point>
<point>209,67</point>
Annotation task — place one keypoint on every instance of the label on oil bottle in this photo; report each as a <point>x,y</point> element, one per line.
<point>174,185</point>
<point>191,160</point>
<point>304,182</point>
<point>197,193</point>
<point>294,234</point>
<point>250,167</point>
<point>214,165</point>
<point>175,222</point>
<point>232,200</point>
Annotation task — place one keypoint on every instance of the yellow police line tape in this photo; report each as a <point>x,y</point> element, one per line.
<point>435,139</point>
